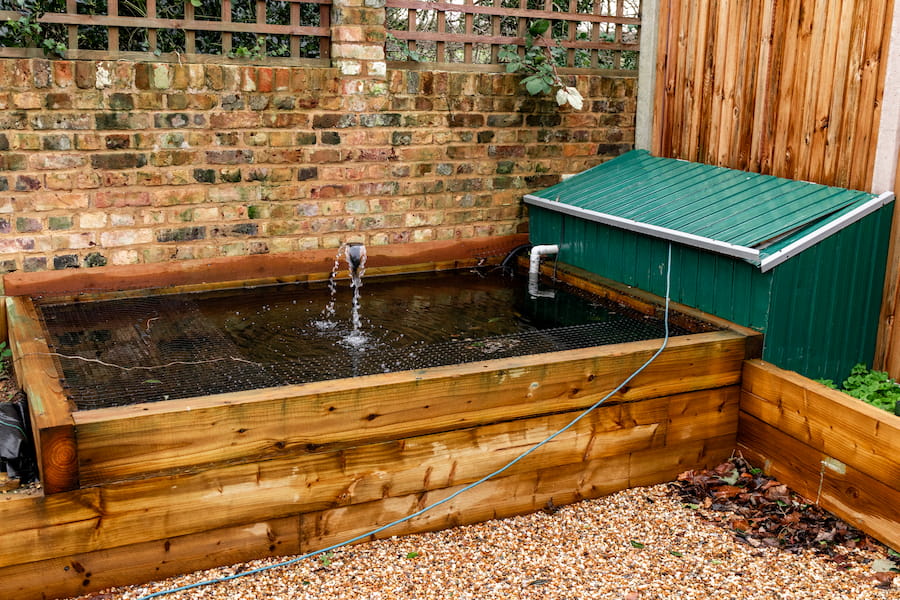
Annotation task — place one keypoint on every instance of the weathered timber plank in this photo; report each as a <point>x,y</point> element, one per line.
<point>507,496</point>
<point>163,507</point>
<point>79,574</point>
<point>760,125</point>
<point>19,513</point>
<point>52,425</point>
<point>848,429</point>
<point>124,442</point>
<point>821,105</point>
<point>696,36</point>
<point>868,114</point>
<point>665,84</point>
<point>311,278</point>
<point>703,414</point>
<point>859,499</point>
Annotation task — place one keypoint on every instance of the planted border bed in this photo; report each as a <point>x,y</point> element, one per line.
<point>828,446</point>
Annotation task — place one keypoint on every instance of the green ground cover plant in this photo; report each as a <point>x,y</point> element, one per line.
<point>869,385</point>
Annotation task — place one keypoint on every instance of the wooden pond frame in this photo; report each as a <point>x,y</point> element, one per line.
<point>297,468</point>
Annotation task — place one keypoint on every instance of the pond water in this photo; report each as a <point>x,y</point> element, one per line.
<point>164,347</point>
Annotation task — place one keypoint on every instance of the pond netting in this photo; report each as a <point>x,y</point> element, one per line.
<point>165,347</point>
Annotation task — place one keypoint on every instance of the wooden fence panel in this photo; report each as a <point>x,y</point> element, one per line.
<point>790,88</point>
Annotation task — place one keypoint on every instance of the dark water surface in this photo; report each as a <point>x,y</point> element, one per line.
<point>186,345</point>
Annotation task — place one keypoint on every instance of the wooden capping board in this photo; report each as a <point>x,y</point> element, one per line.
<point>160,275</point>
<point>244,284</point>
<point>829,421</point>
<point>53,428</point>
<point>167,437</point>
<point>614,447</point>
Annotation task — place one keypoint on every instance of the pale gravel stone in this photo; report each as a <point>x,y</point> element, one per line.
<point>582,551</point>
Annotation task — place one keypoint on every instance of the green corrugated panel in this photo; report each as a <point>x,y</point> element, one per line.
<point>732,289</point>
<point>819,310</point>
<point>725,205</point>
<point>826,302</point>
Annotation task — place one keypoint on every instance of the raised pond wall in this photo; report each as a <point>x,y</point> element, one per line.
<point>121,162</point>
<point>298,468</point>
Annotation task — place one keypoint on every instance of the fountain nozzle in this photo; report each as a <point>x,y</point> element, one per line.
<point>355,253</point>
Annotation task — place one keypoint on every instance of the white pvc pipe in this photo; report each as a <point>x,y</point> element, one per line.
<point>534,269</point>
<point>534,266</point>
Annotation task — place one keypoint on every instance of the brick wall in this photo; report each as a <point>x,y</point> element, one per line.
<point>134,162</point>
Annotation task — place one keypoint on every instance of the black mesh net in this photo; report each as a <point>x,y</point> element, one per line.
<point>154,348</point>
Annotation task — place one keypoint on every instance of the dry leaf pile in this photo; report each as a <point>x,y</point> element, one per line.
<point>760,511</point>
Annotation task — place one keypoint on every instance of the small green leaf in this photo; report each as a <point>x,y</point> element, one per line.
<point>152,381</point>
<point>534,86</point>
<point>676,553</point>
<point>412,554</point>
<point>539,27</point>
<point>636,544</point>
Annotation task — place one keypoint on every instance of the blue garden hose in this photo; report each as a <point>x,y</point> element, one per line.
<point>506,467</point>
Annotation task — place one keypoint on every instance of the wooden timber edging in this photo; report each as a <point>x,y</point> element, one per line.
<point>130,442</point>
<point>295,469</point>
<point>831,448</point>
<point>126,532</point>
<point>52,425</point>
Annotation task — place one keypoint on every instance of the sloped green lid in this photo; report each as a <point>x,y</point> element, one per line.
<point>724,210</point>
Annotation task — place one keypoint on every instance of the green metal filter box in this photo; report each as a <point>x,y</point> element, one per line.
<point>801,262</point>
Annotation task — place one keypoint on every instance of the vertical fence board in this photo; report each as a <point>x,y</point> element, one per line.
<point>661,128</point>
<point>759,126</point>
<point>785,87</point>
<point>822,111</point>
<point>860,175</point>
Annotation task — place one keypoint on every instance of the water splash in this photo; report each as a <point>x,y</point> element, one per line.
<point>357,259</point>
<point>326,323</point>
<point>355,255</point>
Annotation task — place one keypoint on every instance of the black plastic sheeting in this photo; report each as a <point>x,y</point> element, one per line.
<point>17,454</point>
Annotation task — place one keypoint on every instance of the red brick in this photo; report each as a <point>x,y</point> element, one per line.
<point>63,73</point>
<point>235,120</point>
<point>120,199</point>
<point>282,79</point>
<point>264,79</point>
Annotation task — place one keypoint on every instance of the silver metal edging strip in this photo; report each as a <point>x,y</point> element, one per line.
<point>749,254</point>
<point>776,258</point>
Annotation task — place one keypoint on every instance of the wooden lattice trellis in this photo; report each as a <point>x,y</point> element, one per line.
<point>305,34</point>
<point>593,36</point>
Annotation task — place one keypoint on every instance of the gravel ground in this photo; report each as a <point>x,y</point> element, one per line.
<point>638,544</point>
